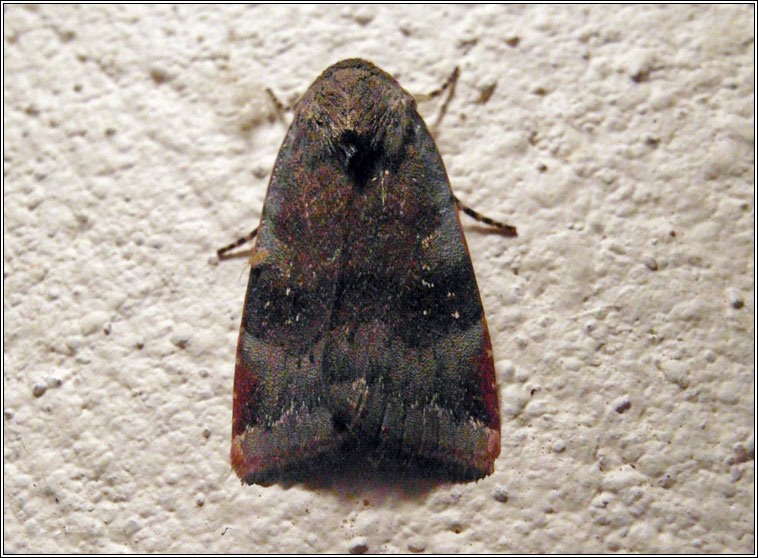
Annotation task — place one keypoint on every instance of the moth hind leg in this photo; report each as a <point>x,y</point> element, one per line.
<point>223,253</point>
<point>503,228</point>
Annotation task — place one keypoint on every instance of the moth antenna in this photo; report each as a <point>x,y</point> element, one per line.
<point>222,252</point>
<point>504,229</point>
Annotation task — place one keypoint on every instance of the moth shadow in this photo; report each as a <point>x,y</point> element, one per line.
<point>484,229</point>
<point>360,479</point>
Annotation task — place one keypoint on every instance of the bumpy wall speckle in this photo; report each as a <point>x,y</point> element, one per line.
<point>620,141</point>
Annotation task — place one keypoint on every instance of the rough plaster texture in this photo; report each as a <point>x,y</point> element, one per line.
<point>620,140</point>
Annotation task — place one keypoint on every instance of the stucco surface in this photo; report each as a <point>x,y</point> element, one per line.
<point>620,141</point>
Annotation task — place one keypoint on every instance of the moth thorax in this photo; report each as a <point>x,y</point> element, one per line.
<point>360,157</point>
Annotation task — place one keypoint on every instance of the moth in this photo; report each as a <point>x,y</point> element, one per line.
<point>363,334</point>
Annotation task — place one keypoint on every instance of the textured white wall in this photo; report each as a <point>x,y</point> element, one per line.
<point>619,140</point>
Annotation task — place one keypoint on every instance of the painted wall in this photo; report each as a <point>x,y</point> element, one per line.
<point>619,139</point>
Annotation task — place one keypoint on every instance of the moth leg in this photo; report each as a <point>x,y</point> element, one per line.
<point>505,230</point>
<point>223,253</point>
<point>449,84</point>
<point>279,107</point>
